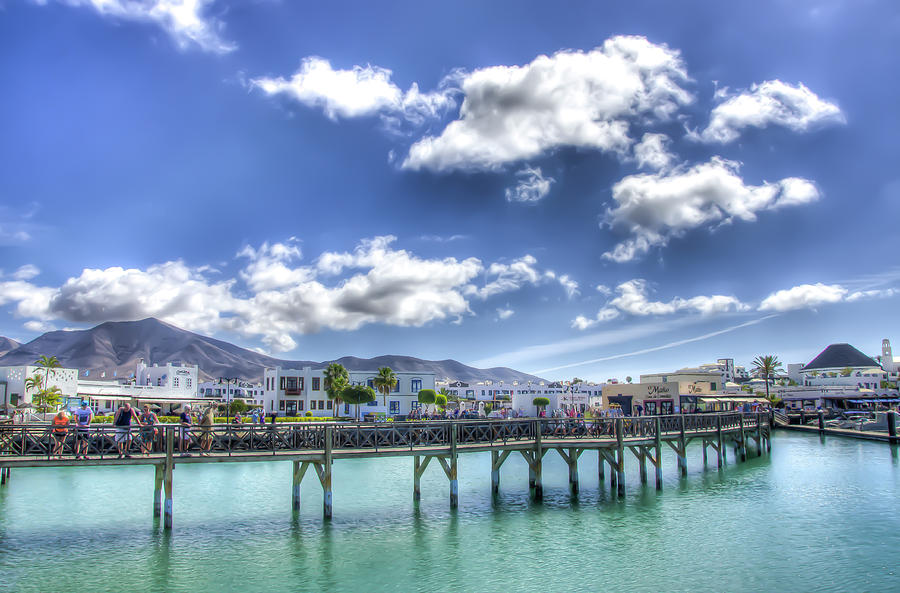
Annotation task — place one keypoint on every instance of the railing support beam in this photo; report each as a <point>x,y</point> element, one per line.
<point>657,445</point>
<point>169,509</point>
<point>159,472</point>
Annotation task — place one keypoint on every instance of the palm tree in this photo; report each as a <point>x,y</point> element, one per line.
<point>766,366</point>
<point>34,383</point>
<point>385,380</point>
<point>336,378</point>
<point>48,364</point>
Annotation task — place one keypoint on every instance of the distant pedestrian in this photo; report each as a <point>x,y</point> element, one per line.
<point>206,436</point>
<point>83,417</point>
<point>184,432</point>
<point>122,422</point>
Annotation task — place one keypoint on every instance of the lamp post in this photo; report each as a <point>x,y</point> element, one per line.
<point>228,381</point>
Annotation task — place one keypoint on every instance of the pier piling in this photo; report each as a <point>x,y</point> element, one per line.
<point>326,474</point>
<point>3,475</point>
<point>159,474</point>
<point>600,467</point>
<point>167,477</point>
<point>454,482</point>
<point>682,447</point>
<point>657,446</point>
<point>538,459</point>
<point>417,475</point>
<point>620,456</point>
<point>296,478</point>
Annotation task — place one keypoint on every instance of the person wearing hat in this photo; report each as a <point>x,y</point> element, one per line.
<point>185,431</point>
<point>83,417</point>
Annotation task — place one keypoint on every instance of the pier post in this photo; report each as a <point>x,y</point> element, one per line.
<point>538,461</point>
<point>705,455</point>
<point>169,510</point>
<point>601,462</point>
<point>495,473</point>
<point>742,446</point>
<point>643,464</point>
<point>296,477</point>
<point>720,444</point>
<point>417,486</point>
<point>821,415</point>
<point>159,474</point>
<point>759,434</point>
<point>454,483</point>
<point>891,422</point>
<point>613,476</point>
<point>620,456</point>
<point>2,476</point>
<point>326,474</point>
<point>573,470</point>
<point>682,448</point>
<point>657,444</point>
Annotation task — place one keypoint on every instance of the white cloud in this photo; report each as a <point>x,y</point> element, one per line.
<point>652,152</point>
<point>38,326</point>
<point>358,92</point>
<point>531,187</point>
<point>504,313</point>
<point>280,297</point>
<point>26,272</point>
<point>569,285</point>
<point>632,300</point>
<point>803,296</point>
<point>511,277</point>
<point>572,98</point>
<point>187,21</point>
<point>655,207</point>
<point>883,293</point>
<point>771,103</point>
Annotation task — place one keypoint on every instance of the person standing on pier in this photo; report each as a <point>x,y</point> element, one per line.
<point>83,417</point>
<point>122,422</point>
<point>184,435</point>
<point>60,431</point>
<point>149,419</point>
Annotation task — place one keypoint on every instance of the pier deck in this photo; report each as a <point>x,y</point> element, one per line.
<point>318,445</point>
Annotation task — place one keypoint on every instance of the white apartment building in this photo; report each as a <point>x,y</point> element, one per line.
<point>251,393</point>
<point>293,392</point>
<point>12,383</point>
<point>183,378</point>
<point>519,395</point>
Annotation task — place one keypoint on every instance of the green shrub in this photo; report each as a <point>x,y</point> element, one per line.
<point>440,399</point>
<point>308,413</point>
<point>541,402</point>
<point>427,396</point>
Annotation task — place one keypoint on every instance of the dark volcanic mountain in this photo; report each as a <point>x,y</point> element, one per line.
<point>119,345</point>
<point>7,344</point>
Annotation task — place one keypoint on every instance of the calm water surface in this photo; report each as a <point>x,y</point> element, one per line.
<point>810,517</point>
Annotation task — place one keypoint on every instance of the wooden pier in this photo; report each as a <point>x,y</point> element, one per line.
<point>319,445</point>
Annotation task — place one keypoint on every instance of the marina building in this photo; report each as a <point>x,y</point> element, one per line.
<point>12,383</point>
<point>294,392</point>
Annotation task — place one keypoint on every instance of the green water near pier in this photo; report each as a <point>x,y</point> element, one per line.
<point>810,516</point>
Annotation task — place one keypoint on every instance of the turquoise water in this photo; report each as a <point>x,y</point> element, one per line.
<point>811,517</point>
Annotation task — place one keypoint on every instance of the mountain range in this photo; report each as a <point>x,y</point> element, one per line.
<point>114,348</point>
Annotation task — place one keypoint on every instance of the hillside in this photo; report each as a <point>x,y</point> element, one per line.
<point>7,344</point>
<point>118,346</point>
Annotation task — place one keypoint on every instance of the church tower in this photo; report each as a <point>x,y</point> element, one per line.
<point>887,357</point>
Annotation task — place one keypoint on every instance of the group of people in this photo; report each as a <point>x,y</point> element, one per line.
<point>128,423</point>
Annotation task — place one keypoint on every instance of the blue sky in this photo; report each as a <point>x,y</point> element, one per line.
<point>600,191</point>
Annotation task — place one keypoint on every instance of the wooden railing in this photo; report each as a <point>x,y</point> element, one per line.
<point>101,441</point>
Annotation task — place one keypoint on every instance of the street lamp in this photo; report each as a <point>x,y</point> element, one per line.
<point>228,381</point>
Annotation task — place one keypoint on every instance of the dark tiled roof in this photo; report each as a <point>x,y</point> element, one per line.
<point>839,356</point>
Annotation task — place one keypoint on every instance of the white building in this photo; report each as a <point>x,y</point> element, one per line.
<point>293,392</point>
<point>251,393</point>
<point>183,378</point>
<point>519,395</point>
<point>12,383</point>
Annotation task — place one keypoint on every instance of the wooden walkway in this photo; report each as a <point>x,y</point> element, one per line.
<point>318,445</point>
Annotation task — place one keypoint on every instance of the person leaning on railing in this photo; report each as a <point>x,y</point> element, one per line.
<point>83,417</point>
<point>60,432</point>
<point>206,436</point>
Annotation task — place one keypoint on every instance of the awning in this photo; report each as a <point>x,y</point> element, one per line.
<point>874,401</point>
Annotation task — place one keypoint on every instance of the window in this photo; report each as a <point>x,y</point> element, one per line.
<point>317,384</point>
<point>370,382</point>
<point>281,405</point>
<point>372,403</point>
<point>416,385</point>
<point>470,394</point>
<point>330,404</point>
<point>321,404</point>
<point>187,383</point>
<point>300,405</point>
<point>416,405</point>
<point>395,407</point>
<point>397,386</point>
<point>291,407</point>
<point>175,382</point>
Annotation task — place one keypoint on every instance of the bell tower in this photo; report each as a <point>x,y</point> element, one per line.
<point>887,357</point>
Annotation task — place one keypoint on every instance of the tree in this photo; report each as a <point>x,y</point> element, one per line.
<point>48,396</point>
<point>385,380</point>
<point>357,394</point>
<point>765,367</point>
<point>628,379</point>
<point>336,378</point>
<point>440,400</point>
<point>450,396</point>
<point>427,397</point>
<point>34,384</point>
<point>846,372</point>
<point>237,406</point>
<point>541,402</point>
